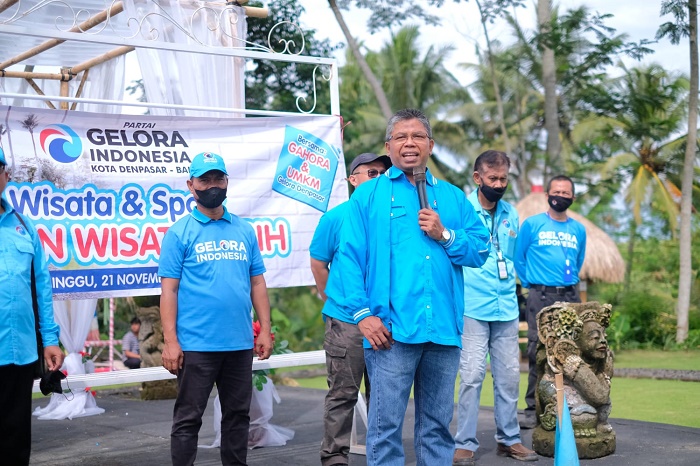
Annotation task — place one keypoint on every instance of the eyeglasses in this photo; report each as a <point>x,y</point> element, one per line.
<point>418,138</point>
<point>371,173</point>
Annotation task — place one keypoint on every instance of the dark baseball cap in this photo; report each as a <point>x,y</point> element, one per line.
<point>369,157</point>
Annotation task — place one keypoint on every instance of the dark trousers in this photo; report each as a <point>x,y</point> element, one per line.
<point>232,373</point>
<point>16,414</point>
<point>536,301</point>
<point>345,364</point>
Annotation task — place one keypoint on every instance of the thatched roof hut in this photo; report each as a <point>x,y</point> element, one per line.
<point>603,261</point>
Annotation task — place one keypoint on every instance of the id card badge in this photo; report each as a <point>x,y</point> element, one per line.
<point>502,270</point>
<point>568,276</point>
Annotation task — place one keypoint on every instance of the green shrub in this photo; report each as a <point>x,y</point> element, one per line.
<point>651,317</point>
<point>296,312</point>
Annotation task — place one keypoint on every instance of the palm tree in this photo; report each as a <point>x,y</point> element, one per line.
<point>409,79</point>
<point>584,47</point>
<point>30,123</point>
<point>513,125</point>
<point>549,81</point>
<point>641,113</point>
<point>677,30</point>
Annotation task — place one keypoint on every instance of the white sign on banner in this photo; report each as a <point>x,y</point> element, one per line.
<point>103,189</point>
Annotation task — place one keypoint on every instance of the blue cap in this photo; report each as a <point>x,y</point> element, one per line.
<point>2,157</point>
<point>206,162</point>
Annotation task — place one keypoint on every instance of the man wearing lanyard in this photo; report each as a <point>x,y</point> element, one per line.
<point>548,257</point>
<point>491,320</point>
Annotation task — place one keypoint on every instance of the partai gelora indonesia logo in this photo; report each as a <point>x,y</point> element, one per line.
<point>61,143</point>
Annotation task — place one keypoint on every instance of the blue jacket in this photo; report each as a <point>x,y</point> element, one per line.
<point>486,296</point>
<point>18,247</point>
<point>364,258</point>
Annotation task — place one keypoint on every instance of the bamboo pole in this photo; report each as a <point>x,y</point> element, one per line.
<point>255,12</point>
<point>118,52</point>
<point>250,11</point>
<point>64,88</point>
<point>84,26</point>
<point>79,92</point>
<point>29,69</point>
<point>5,4</point>
<point>559,385</point>
<point>38,90</point>
<point>30,75</point>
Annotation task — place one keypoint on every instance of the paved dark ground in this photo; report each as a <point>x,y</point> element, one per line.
<point>132,432</point>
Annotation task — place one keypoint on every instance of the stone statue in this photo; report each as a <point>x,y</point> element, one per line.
<point>572,341</point>
<point>151,348</point>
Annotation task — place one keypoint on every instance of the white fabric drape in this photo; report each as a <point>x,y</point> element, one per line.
<point>74,318</point>
<point>190,78</point>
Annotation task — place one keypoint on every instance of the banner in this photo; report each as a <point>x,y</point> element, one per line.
<point>103,189</point>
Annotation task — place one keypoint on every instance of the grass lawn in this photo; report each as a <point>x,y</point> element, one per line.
<point>665,401</point>
<point>656,359</point>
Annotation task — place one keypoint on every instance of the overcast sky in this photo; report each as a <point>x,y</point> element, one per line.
<point>639,19</point>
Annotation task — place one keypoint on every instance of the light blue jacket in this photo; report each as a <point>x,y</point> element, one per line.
<point>486,296</point>
<point>364,256</point>
<point>18,247</point>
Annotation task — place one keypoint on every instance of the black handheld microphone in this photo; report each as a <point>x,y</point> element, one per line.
<point>419,178</point>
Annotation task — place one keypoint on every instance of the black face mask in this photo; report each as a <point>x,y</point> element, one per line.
<point>211,198</point>
<point>559,203</point>
<point>51,382</point>
<point>493,194</point>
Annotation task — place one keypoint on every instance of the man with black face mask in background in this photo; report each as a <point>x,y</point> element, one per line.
<point>491,320</point>
<point>211,274</point>
<point>549,255</point>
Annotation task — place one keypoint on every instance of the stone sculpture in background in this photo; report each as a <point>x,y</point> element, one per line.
<point>151,349</point>
<point>572,341</point>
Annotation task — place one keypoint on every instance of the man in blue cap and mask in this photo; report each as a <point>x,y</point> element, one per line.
<point>211,274</point>
<point>21,262</point>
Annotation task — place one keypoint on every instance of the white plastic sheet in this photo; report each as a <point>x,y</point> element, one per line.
<point>74,318</point>
<point>70,405</point>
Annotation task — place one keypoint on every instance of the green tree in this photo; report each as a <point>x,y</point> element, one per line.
<point>409,79</point>
<point>686,25</point>
<point>485,125</point>
<point>640,115</point>
<point>275,85</point>
<point>584,48</point>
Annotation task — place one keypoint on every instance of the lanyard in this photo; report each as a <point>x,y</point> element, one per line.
<point>494,233</point>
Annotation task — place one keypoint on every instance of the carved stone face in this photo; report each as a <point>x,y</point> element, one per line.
<point>592,341</point>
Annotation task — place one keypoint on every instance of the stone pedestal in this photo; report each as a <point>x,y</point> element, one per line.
<point>602,444</point>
